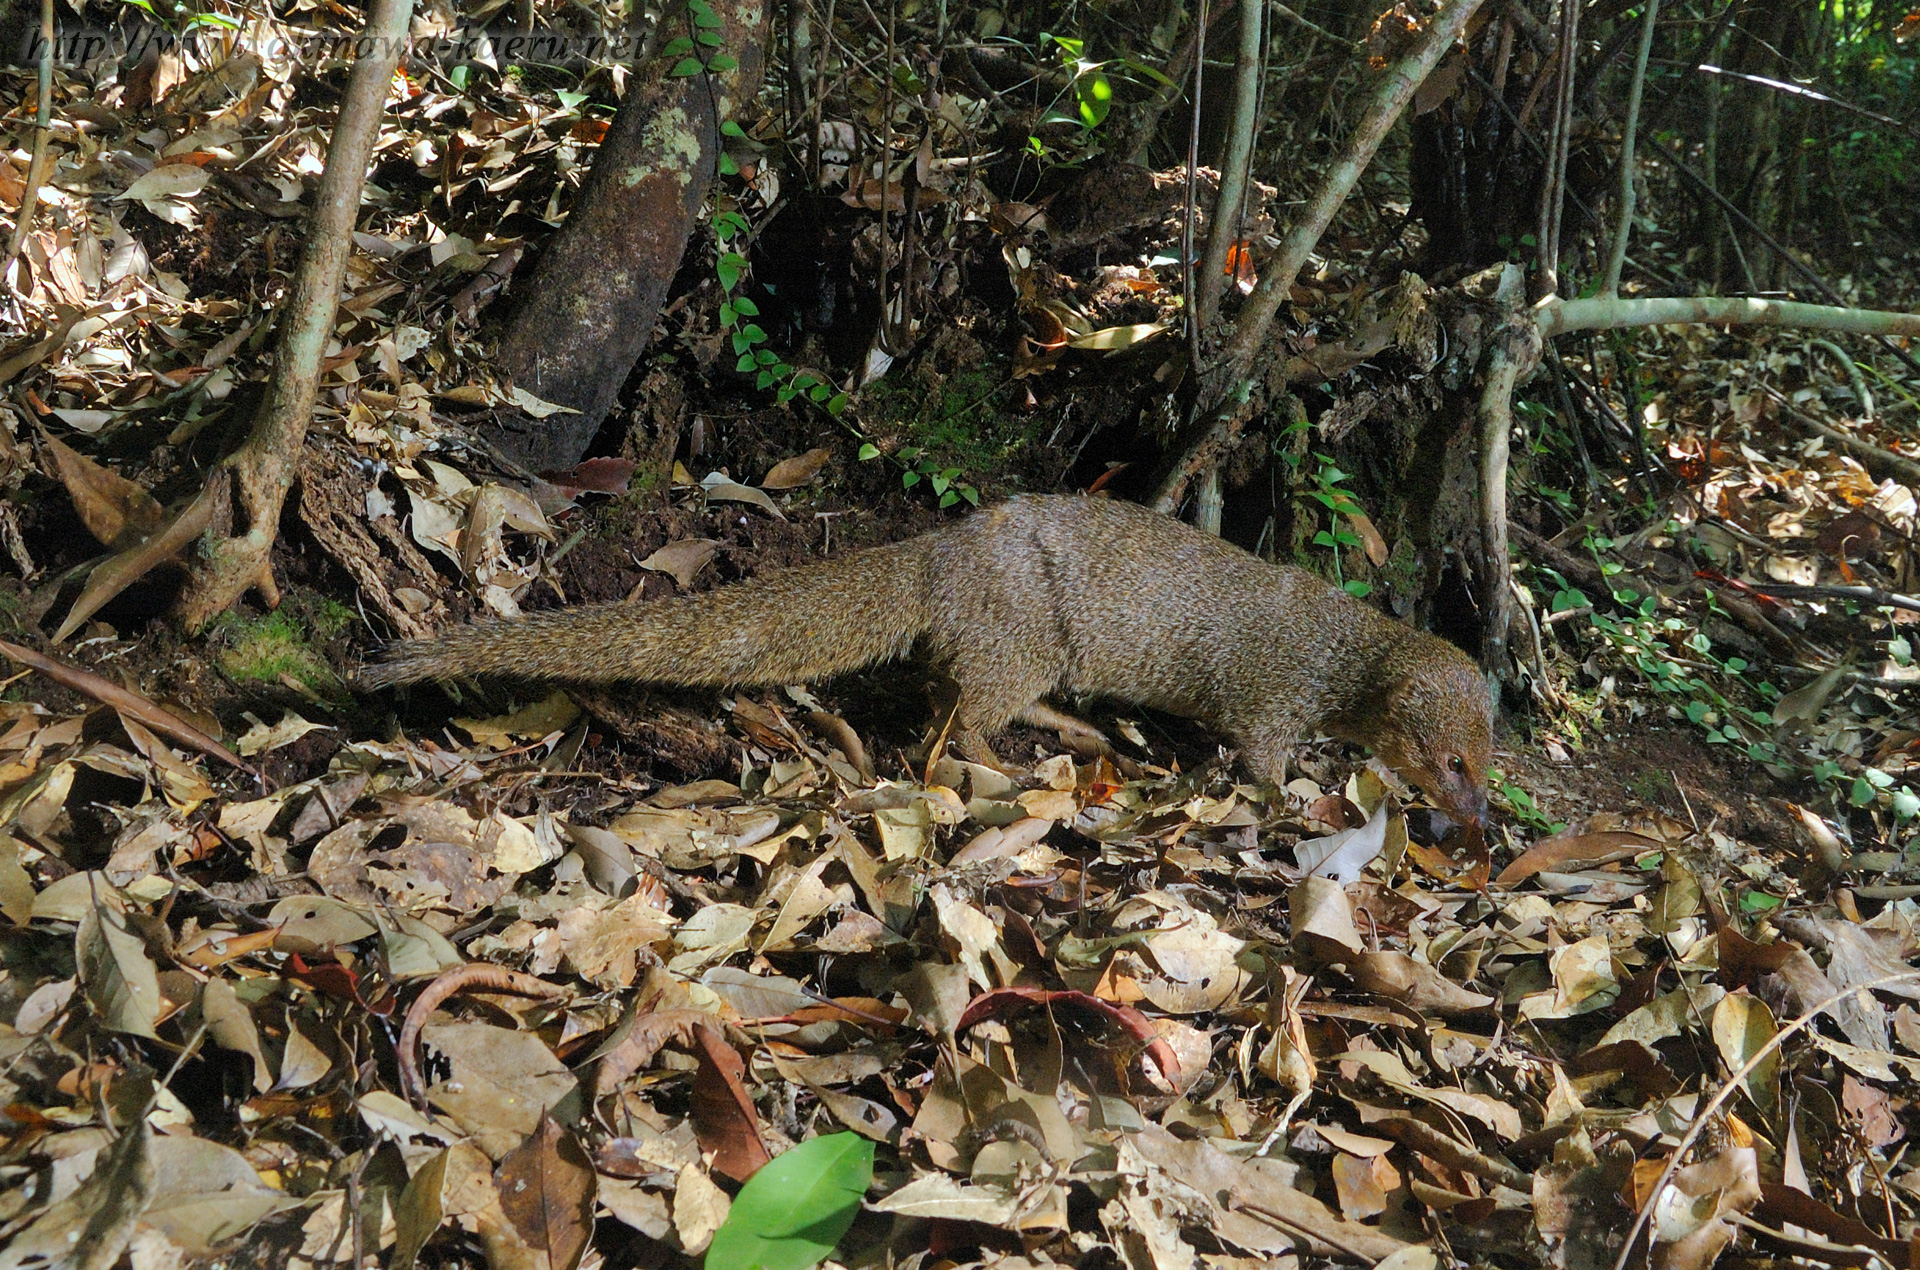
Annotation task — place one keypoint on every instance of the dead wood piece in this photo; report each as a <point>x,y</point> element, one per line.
<point>333,506</point>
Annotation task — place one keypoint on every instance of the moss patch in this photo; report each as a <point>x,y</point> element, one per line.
<point>281,645</point>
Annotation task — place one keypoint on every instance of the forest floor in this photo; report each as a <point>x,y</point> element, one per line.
<point>1109,1012</point>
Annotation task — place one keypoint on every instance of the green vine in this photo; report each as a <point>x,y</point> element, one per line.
<point>699,53</point>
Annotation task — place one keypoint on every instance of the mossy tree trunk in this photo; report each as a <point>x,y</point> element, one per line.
<point>587,310</point>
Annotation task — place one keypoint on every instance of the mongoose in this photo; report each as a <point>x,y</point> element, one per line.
<point>1044,594</point>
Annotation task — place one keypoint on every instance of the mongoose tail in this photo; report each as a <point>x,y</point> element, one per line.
<point>785,627</point>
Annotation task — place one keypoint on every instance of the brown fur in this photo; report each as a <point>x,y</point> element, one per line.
<point>1039,596</point>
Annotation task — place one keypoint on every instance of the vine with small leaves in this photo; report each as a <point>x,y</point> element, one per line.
<point>699,52</point>
<point>749,340</point>
<point>917,465</point>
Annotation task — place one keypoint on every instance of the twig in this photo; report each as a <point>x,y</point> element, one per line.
<point>37,166</point>
<point>127,702</point>
<point>1223,231</point>
<point>1429,1141</point>
<point>1869,594</point>
<point>1855,380</point>
<point>1779,249</point>
<point>476,975</point>
<point>1311,1234</point>
<point>1189,286</point>
<point>1553,181</point>
<point>1733,1084</point>
<point>1871,456</point>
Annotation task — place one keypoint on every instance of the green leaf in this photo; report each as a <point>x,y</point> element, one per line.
<point>711,39</point>
<point>1096,98</point>
<point>704,16</point>
<point>678,46</point>
<point>909,479</point>
<point>732,129</point>
<point>740,342</point>
<point>949,498</point>
<point>838,404</point>
<point>570,100</point>
<point>1358,589</point>
<point>744,305</point>
<point>1141,68</point>
<point>792,1212</point>
<point>868,450</point>
<point>730,267</point>
<point>685,68</point>
<point>727,166</point>
<point>729,314</point>
<point>745,363</point>
<point>722,62</point>
<point>753,332</point>
<point>765,379</point>
<point>971,494</point>
<point>1862,792</point>
<point>819,393</point>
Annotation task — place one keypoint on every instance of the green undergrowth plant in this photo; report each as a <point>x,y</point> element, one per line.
<point>1521,803</point>
<point>952,434</point>
<point>1322,499</point>
<point>750,342</point>
<point>1723,697</point>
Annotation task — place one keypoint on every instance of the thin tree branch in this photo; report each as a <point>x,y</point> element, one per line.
<point>1611,286</point>
<point>262,469</point>
<point>43,122</point>
<point>1224,229</point>
<point>1602,313</point>
<point>1554,180</point>
<point>1278,272</point>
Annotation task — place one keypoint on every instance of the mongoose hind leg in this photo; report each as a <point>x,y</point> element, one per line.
<point>980,700</point>
<point>1266,756</point>
<point>1041,715</point>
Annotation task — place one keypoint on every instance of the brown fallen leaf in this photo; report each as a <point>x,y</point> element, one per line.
<point>114,509</point>
<point>115,574</point>
<point>547,1189</point>
<point>1576,851</point>
<point>791,473</point>
<point>1414,983</point>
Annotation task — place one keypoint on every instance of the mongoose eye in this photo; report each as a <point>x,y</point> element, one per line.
<point>1456,765</point>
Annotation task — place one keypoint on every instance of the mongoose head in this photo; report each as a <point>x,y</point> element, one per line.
<point>1436,730</point>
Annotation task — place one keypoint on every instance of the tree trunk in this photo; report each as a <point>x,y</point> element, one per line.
<point>586,313</point>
